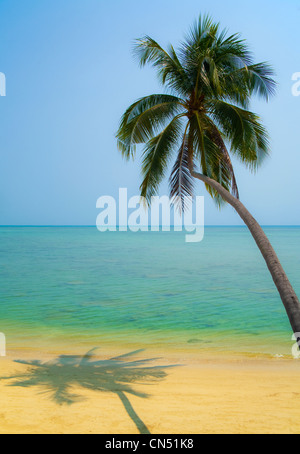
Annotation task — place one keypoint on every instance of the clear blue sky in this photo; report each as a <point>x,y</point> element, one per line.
<point>70,75</point>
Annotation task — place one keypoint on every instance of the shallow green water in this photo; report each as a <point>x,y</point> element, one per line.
<point>80,286</point>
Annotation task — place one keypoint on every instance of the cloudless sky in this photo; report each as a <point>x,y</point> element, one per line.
<point>71,74</point>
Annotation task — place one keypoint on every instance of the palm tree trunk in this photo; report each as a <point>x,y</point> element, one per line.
<point>285,289</point>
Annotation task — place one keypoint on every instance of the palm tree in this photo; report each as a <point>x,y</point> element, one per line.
<point>203,118</point>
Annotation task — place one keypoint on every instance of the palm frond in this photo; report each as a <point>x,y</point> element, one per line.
<point>156,157</point>
<point>214,160</point>
<point>225,161</point>
<point>143,119</point>
<point>260,80</point>
<point>181,182</point>
<point>169,68</point>
<point>239,84</point>
<point>197,135</point>
<point>247,137</point>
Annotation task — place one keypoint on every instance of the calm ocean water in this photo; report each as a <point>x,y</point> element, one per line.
<point>77,286</point>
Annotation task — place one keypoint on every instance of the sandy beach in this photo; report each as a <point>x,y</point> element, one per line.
<point>199,394</point>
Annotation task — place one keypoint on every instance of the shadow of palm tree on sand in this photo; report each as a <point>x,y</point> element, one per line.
<point>116,375</point>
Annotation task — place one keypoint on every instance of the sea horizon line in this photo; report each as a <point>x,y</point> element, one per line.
<point>118,226</point>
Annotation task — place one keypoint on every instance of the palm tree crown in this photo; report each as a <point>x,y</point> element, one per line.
<point>203,116</point>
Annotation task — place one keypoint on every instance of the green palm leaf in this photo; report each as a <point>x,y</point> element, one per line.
<point>156,157</point>
<point>169,68</point>
<point>181,182</point>
<point>247,137</point>
<point>142,120</point>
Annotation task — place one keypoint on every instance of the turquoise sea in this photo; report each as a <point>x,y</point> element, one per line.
<point>75,286</point>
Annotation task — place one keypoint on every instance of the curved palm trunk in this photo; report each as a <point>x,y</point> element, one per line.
<point>286,291</point>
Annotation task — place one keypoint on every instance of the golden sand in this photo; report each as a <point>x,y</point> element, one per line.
<point>202,394</point>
